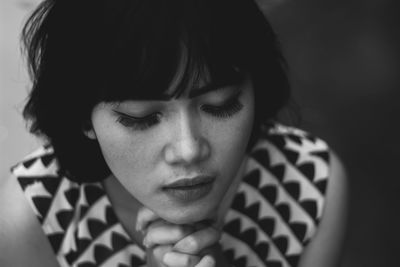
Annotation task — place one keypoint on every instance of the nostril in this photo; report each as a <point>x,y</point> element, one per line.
<point>187,151</point>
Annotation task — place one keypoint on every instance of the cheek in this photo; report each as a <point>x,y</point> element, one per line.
<point>239,129</point>
<point>123,152</point>
<point>230,140</point>
<point>131,161</point>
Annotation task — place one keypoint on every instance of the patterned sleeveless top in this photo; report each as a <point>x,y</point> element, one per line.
<point>274,214</point>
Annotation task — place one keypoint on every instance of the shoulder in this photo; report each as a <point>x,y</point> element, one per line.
<point>326,246</point>
<point>41,162</point>
<point>306,159</point>
<point>293,142</point>
<point>286,196</point>
<point>306,152</point>
<point>22,241</point>
<point>305,171</point>
<point>297,162</point>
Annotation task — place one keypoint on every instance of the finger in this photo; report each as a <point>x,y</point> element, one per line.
<point>194,243</point>
<point>155,255</point>
<point>162,233</point>
<point>176,259</point>
<point>206,261</point>
<point>144,217</point>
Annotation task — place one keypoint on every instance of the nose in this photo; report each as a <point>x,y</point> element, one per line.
<point>188,145</point>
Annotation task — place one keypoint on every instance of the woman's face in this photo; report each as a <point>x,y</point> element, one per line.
<point>177,157</point>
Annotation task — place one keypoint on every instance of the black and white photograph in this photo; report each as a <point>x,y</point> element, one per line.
<point>199,133</point>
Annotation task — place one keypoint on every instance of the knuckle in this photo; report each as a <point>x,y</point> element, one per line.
<point>186,260</point>
<point>192,243</point>
<point>144,218</point>
<point>160,251</point>
<point>209,261</point>
<point>152,226</point>
<point>178,259</point>
<point>211,235</point>
<point>213,230</point>
<point>217,234</point>
<point>179,232</point>
<point>214,234</point>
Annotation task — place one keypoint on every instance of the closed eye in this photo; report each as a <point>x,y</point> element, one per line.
<point>138,123</point>
<point>228,109</point>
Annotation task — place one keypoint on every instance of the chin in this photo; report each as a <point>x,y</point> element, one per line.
<point>190,214</point>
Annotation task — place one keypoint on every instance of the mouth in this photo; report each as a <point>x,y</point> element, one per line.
<point>190,189</point>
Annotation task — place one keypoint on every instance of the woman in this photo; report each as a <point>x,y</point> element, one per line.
<point>162,149</point>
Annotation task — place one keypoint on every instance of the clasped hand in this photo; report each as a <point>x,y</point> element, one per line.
<point>173,245</point>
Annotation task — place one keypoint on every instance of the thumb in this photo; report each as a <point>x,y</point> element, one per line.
<point>144,217</point>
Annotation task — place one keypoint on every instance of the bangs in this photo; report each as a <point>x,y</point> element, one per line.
<point>81,53</point>
<point>164,45</point>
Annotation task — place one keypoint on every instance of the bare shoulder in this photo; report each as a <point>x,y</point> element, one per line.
<point>22,241</point>
<point>325,248</point>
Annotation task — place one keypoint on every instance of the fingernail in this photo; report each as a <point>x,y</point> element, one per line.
<point>137,228</point>
<point>168,258</point>
<point>145,242</point>
<point>209,259</point>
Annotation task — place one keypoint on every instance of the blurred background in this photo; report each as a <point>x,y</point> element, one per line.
<point>344,59</point>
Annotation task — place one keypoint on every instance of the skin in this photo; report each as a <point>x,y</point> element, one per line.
<point>176,245</point>
<point>186,141</point>
<point>23,243</point>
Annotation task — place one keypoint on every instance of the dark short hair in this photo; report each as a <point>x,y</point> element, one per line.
<point>83,52</point>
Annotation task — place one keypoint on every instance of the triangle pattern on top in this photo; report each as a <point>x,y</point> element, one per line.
<point>273,216</point>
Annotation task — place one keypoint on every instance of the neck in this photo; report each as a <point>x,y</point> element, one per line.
<point>126,207</point>
<point>230,194</point>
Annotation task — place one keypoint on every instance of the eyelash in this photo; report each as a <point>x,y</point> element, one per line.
<point>228,109</point>
<point>139,123</point>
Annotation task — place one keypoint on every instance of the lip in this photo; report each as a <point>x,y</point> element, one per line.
<point>190,189</point>
<point>190,182</point>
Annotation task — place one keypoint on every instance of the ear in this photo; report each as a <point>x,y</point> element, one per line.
<point>90,134</point>
<point>88,131</point>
